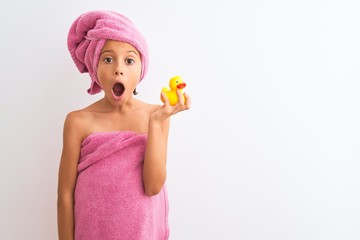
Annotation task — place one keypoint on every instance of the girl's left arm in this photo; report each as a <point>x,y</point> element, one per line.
<point>154,171</point>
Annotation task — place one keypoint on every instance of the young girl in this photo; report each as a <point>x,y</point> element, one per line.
<point>113,164</point>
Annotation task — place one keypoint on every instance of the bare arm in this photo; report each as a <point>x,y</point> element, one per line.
<point>67,177</point>
<point>154,172</point>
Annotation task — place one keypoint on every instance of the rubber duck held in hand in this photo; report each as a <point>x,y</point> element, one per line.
<point>175,83</point>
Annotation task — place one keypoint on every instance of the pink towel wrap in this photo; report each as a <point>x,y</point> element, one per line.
<point>110,202</point>
<point>88,34</point>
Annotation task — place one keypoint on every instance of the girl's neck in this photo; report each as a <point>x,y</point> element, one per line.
<point>123,108</point>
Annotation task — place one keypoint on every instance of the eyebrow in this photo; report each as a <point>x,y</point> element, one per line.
<point>111,51</point>
<point>105,51</point>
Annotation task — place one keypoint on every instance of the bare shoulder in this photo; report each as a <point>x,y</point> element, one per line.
<point>149,108</point>
<point>142,113</point>
<point>77,123</point>
<point>75,119</point>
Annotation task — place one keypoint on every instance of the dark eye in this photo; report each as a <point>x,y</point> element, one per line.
<point>108,60</point>
<point>130,61</point>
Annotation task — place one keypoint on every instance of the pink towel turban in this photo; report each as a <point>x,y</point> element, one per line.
<point>88,35</point>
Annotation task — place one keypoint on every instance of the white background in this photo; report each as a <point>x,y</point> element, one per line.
<point>270,148</point>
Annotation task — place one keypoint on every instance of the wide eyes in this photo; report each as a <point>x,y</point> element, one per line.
<point>108,60</point>
<point>128,61</point>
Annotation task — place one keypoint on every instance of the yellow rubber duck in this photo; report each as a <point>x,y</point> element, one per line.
<point>175,83</point>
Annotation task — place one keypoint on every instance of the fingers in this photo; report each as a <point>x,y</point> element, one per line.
<point>184,102</point>
<point>181,99</point>
<point>187,101</point>
<point>165,99</point>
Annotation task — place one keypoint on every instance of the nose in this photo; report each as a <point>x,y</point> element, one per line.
<point>117,73</point>
<point>118,70</point>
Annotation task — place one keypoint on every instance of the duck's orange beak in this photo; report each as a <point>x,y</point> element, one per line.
<point>181,85</point>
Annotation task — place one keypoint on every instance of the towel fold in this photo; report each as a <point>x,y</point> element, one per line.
<point>110,202</point>
<point>88,34</point>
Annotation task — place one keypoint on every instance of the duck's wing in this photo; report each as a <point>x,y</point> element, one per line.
<point>165,90</point>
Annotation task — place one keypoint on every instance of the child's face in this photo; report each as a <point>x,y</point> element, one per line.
<point>119,70</point>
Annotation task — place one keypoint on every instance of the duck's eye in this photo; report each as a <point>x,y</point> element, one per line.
<point>129,61</point>
<point>177,81</point>
<point>108,60</point>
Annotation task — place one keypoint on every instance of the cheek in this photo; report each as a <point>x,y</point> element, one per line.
<point>135,75</point>
<point>138,72</point>
<point>101,75</point>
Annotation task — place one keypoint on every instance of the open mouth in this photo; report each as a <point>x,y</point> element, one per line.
<point>118,89</point>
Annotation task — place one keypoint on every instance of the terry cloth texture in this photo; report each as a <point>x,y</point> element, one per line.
<point>110,202</point>
<point>88,35</point>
